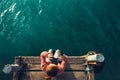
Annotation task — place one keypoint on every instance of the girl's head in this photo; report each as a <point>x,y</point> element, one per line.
<point>52,70</point>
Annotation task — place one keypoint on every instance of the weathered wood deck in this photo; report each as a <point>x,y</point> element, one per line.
<point>75,69</point>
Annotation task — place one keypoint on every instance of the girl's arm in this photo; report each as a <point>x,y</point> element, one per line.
<point>43,56</point>
<point>62,64</point>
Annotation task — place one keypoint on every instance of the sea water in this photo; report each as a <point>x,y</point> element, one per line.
<point>28,27</point>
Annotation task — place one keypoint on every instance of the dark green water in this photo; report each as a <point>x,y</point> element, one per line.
<point>28,27</point>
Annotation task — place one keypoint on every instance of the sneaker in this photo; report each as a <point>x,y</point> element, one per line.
<point>57,53</point>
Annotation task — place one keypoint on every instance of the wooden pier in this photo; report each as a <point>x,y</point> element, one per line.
<point>75,69</point>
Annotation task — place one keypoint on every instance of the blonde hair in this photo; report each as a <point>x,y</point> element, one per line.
<point>52,70</point>
<point>47,77</point>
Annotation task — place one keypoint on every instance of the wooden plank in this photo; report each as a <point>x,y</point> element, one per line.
<point>64,76</point>
<point>36,59</point>
<point>68,67</point>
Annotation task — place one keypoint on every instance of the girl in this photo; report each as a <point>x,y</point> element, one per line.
<point>53,64</point>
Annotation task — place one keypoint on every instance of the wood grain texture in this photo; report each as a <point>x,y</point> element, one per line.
<point>75,70</point>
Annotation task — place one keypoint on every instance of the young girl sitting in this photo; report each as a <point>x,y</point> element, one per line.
<point>53,63</point>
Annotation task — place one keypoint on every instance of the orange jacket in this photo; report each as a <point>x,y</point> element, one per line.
<point>44,63</point>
